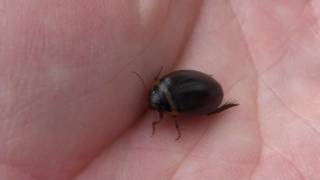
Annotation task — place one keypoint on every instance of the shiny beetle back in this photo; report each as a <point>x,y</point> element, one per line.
<point>187,92</point>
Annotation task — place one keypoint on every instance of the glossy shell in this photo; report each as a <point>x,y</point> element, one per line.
<point>186,91</point>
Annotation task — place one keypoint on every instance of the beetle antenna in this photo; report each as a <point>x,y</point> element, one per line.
<point>159,73</point>
<point>143,83</point>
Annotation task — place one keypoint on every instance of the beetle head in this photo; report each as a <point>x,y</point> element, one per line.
<point>158,100</point>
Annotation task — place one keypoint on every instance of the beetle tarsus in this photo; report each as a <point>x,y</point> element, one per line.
<point>154,123</point>
<point>224,107</point>
<point>178,130</point>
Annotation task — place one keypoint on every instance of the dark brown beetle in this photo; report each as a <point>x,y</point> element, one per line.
<point>188,92</point>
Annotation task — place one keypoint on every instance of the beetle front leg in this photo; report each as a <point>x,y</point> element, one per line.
<point>224,107</point>
<point>154,123</point>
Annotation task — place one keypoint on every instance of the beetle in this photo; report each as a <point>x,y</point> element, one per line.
<point>186,92</point>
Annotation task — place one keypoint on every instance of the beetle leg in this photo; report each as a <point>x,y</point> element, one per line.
<point>178,129</point>
<point>224,107</point>
<point>154,123</point>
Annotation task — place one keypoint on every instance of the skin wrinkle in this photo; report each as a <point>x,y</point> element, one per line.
<point>286,106</point>
<point>316,34</point>
<point>264,145</point>
<point>269,68</point>
<point>316,22</point>
<point>274,149</point>
<point>286,41</point>
<point>273,65</point>
<point>279,22</point>
<point>259,130</point>
<point>294,113</point>
<point>257,87</point>
<point>282,57</point>
<point>188,154</point>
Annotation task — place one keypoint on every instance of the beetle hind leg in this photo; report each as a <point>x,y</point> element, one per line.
<point>224,107</point>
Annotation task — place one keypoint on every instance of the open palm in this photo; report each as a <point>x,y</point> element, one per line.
<point>70,107</point>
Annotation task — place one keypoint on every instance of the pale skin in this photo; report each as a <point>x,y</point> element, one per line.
<point>70,108</point>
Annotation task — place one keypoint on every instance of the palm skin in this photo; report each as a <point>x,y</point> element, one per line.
<point>70,108</point>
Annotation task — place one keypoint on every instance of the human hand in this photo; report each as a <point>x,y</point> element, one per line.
<point>70,108</point>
